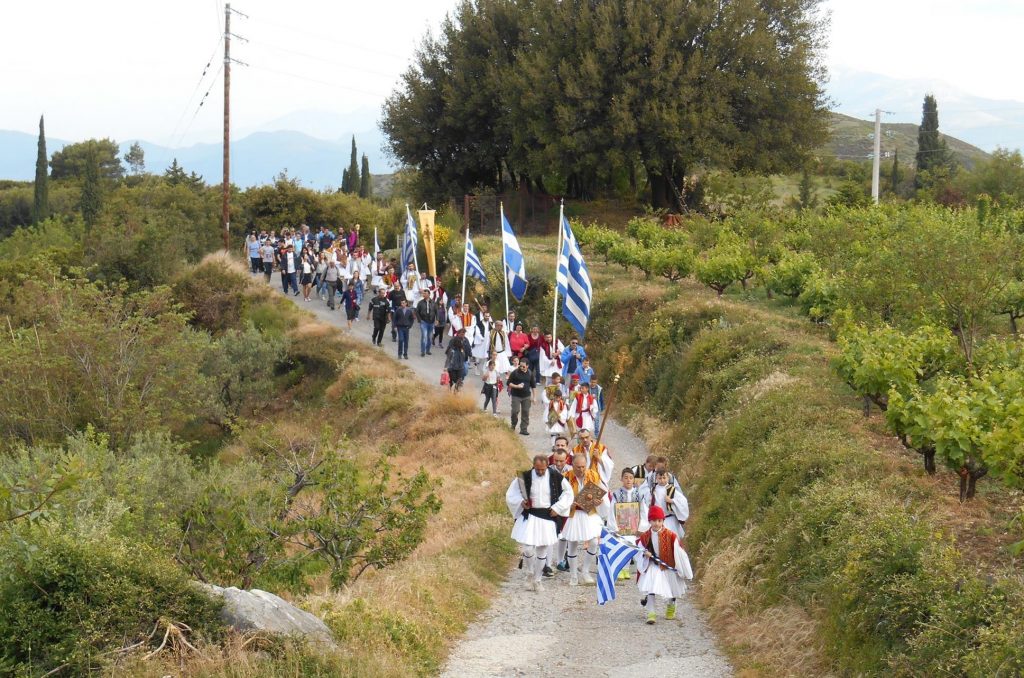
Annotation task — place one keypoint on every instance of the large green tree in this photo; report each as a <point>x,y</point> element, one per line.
<point>136,159</point>
<point>72,161</point>
<point>585,96</point>
<point>41,201</point>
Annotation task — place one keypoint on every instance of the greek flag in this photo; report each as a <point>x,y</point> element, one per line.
<point>573,281</point>
<point>409,244</point>
<point>473,266</point>
<point>614,556</point>
<point>515,264</point>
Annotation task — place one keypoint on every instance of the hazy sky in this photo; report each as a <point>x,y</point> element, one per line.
<point>131,69</point>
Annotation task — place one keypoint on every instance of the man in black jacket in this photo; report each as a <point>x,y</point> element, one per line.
<point>396,295</point>
<point>520,390</point>
<point>380,309</point>
<point>404,318</point>
<point>426,313</point>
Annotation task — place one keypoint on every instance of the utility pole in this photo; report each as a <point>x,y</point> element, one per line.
<point>225,216</point>
<point>877,157</point>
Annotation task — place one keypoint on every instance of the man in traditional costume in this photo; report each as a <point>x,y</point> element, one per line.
<point>499,345</point>
<point>559,462</point>
<point>642,471</point>
<point>663,566</point>
<point>670,499</point>
<point>537,499</point>
<point>462,318</point>
<point>550,356</point>
<point>583,528</point>
<point>597,457</point>
<point>411,283</point>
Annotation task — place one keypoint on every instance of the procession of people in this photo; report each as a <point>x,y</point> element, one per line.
<point>565,505</point>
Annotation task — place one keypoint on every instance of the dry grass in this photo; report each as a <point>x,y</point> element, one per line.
<point>772,640</point>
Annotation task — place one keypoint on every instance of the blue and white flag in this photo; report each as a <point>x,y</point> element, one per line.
<point>473,266</point>
<point>515,264</point>
<point>573,281</point>
<point>409,243</point>
<point>614,556</point>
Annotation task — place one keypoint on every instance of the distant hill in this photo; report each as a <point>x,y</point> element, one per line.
<point>255,159</point>
<point>851,139</point>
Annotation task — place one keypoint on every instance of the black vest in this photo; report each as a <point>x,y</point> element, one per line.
<point>554,483</point>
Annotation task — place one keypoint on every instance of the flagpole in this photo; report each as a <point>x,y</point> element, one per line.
<point>558,262</point>
<point>504,264</point>
<point>465,259</point>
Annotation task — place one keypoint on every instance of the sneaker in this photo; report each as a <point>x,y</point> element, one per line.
<point>531,585</point>
<point>651,617</point>
<point>587,579</point>
<point>563,566</point>
<point>670,611</point>
<point>538,587</point>
<point>548,572</point>
<point>624,574</point>
<point>574,580</point>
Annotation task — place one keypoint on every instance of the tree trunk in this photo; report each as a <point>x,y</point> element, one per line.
<point>867,406</point>
<point>1013,325</point>
<point>929,460</point>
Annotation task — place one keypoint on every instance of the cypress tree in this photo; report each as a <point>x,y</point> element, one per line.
<point>895,176</point>
<point>365,187</point>
<point>41,202</point>
<point>931,147</point>
<point>344,180</point>
<point>91,202</point>
<point>353,170</point>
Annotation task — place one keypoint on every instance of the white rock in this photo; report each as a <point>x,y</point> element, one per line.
<point>257,610</point>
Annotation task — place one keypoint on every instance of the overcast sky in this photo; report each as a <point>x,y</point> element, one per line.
<point>130,69</point>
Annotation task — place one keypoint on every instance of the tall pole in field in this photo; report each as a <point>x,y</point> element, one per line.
<point>225,209</point>
<point>465,260</point>
<point>504,264</point>
<point>558,262</point>
<point>877,157</point>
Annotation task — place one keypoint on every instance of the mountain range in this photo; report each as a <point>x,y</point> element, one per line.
<point>314,146</point>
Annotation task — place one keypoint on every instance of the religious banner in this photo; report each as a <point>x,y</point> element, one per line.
<point>627,517</point>
<point>426,218</point>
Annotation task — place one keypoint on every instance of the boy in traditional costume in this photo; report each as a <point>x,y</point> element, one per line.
<point>663,566</point>
<point>583,409</point>
<point>537,499</point>
<point>670,499</point>
<point>557,413</point>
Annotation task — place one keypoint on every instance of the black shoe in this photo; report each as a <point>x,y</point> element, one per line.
<point>523,433</point>
<point>406,356</point>
<point>422,354</point>
<point>429,353</point>
<point>548,572</point>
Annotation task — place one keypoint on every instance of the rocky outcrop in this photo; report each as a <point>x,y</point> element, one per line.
<point>257,610</point>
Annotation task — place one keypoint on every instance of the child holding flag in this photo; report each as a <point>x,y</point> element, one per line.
<point>663,565</point>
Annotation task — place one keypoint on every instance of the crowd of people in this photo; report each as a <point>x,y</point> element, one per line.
<point>560,506</point>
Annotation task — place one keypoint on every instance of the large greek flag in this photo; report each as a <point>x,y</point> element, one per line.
<point>614,556</point>
<point>473,265</point>
<point>409,243</point>
<point>573,281</point>
<point>515,264</point>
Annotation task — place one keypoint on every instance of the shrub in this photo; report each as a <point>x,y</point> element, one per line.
<point>82,597</point>
<point>213,292</point>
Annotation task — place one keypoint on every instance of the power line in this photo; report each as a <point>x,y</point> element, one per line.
<point>331,62</point>
<point>316,80</point>
<point>335,41</point>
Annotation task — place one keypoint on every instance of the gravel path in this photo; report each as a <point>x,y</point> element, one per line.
<point>526,634</point>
